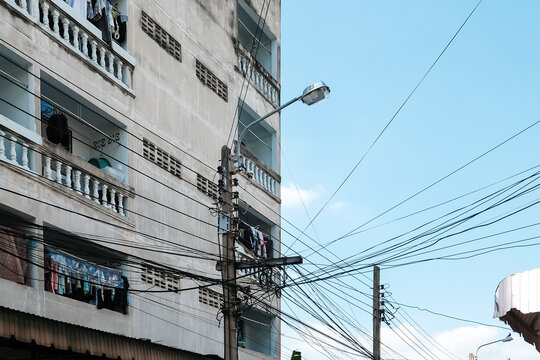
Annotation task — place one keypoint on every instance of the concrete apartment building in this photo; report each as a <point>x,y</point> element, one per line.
<point>112,120</point>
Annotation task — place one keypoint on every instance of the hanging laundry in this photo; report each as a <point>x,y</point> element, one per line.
<point>245,236</point>
<point>57,129</point>
<point>101,17</point>
<point>80,7</point>
<point>48,272</point>
<point>260,244</point>
<point>255,238</point>
<point>269,247</point>
<point>122,28</point>
<point>120,302</point>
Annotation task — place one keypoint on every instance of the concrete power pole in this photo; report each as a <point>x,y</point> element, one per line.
<point>228,227</point>
<point>376,314</point>
<point>228,271</point>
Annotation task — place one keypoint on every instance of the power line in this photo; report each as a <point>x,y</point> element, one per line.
<point>392,118</point>
<point>116,159</point>
<point>457,222</point>
<point>67,80</point>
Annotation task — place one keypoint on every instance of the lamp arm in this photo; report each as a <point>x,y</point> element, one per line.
<point>241,136</point>
<point>489,343</point>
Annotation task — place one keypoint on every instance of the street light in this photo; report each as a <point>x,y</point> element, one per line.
<point>506,339</point>
<point>311,95</point>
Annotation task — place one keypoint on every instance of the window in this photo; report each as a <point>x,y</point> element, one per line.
<point>257,331</point>
<point>261,139</point>
<point>210,297</point>
<point>83,271</point>
<point>83,129</point>
<point>207,187</point>
<point>13,256</point>
<point>257,40</point>
<point>166,41</point>
<point>16,89</point>
<point>161,158</point>
<point>267,248</point>
<point>159,277</point>
<point>209,79</point>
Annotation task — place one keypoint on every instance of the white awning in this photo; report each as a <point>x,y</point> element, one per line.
<point>520,291</point>
<point>517,303</point>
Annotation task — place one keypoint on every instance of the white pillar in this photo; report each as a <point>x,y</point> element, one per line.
<point>121,204</point>
<point>87,186</point>
<point>102,53</point>
<point>93,46</point>
<point>45,12</point>
<point>2,148</point>
<point>58,172</point>
<point>69,183</point>
<point>24,158</point>
<point>76,37</point>
<point>84,43</point>
<point>127,76</point>
<point>56,28</point>
<point>95,189</point>
<point>110,55</point>
<point>12,153</point>
<point>77,182</point>
<point>119,66</point>
<point>47,168</point>
<point>65,25</point>
<point>104,195</point>
<point>113,200</point>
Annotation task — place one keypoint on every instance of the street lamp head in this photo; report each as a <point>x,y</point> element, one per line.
<point>508,338</point>
<point>315,93</point>
<point>311,95</point>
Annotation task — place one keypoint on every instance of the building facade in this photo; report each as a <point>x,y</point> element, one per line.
<point>112,119</point>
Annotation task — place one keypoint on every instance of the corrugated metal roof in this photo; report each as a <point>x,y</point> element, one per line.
<point>517,303</point>
<point>520,291</point>
<point>26,328</point>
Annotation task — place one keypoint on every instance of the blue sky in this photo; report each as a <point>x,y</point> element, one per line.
<point>484,89</point>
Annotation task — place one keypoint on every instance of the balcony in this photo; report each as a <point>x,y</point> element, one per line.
<point>257,74</point>
<point>260,173</point>
<point>80,37</point>
<point>68,173</point>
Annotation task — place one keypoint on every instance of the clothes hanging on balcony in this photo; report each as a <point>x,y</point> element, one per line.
<point>245,235</point>
<point>101,17</point>
<point>120,301</point>
<point>255,238</point>
<point>58,130</point>
<point>260,244</point>
<point>269,247</point>
<point>80,7</point>
<point>79,280</point>
<point>121,28</point>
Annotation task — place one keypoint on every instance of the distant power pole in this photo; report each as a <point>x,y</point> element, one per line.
<point>376,314</point>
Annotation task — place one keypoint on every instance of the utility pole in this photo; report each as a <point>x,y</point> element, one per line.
<point>376,314</point>
<point>228,272</point>
<point>228,228</point>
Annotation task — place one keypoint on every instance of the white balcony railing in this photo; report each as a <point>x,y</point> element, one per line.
<point>17,151</point>
<point>79,36</point>
<point>261,173</point>
<point>262,177</point>
<point>82,180</point>
<point>258,75</point>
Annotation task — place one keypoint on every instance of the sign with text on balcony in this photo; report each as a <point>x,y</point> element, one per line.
<point>101,143</point>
